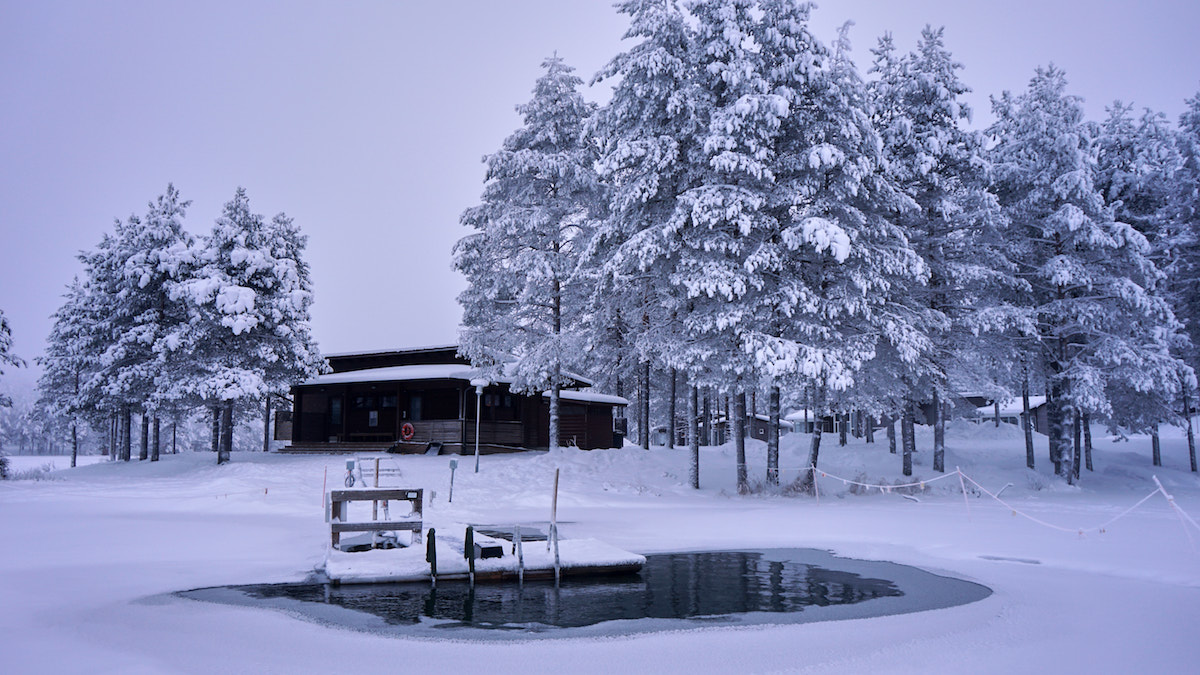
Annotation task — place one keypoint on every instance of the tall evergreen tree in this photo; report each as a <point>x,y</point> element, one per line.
<point>248,333</point>
<point>7,358</point>
<point>957,225</point>
<point>649,151</point>
<point>833,258</point>
<point>67,362</point>
<point>1139,164</point>
<point>1099,323</point>
<point>130,276</point>
<point>526,294</point>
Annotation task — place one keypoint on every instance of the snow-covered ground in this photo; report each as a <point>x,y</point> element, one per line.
<point>90,554</point>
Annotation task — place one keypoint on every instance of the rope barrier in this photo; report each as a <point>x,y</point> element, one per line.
<point>963,478</point>
<point>166,497</point>
<point>1183,517</point>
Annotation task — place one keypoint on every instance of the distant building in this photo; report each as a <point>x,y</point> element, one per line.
<point>1010,412</point>
<point>419,400</point>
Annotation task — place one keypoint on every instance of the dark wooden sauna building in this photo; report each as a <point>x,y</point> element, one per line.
<point>417,400</point>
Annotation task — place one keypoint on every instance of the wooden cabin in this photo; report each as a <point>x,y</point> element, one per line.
<point>420,400</point>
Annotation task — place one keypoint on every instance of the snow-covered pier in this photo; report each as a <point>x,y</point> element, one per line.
<point>576,557</point>
<point>458,551</point>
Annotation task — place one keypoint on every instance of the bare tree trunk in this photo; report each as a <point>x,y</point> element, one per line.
<point>267,423</point>
<point>739,440</point>
<point>996,412</point>
<point>1078,460</point>
<point>671,412</point>
<point>706,420</point>
<point>144,448</point>
<point>1027,423</point>
<point>869,426</point>
<point>722,430</point>
<point>174,450</point>
<point>1187,419</point>
<point>645,402</point>
<point>807,480</point>
<point>1057,423</point>
<point>817,430</point>
<point>908,439</point>
<point>74,443</point>
<point>843,422</point>
<point>156,440</point>
<point>216,428</point>
<point>126,434</point>
<point>773,437</point>
<point>693,434</point>
<point>226,448</point>
<point>1087,440</point>
<point>939,434</point>
<point>555,394</point>
<point>891,434</point>
<point>1155,446</point>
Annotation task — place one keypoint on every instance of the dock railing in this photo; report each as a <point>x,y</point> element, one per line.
<point>337,512</point>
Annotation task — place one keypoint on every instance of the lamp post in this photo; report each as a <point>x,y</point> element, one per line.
<point>479,385</point>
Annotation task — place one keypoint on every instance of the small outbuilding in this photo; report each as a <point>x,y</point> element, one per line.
<point>424,399</point>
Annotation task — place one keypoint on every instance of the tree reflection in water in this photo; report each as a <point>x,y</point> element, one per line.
<point>672,586</point>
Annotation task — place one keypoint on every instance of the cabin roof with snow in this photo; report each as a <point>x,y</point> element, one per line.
<point>415,399</point>
<point>418,363</point>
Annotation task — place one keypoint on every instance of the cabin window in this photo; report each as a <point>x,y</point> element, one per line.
<point>364,402</point>
<point>387,401</point>
<point>335,410</point>
<point>497,407</point>
<point>440,404</point>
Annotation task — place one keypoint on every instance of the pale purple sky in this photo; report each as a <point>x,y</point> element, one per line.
<point>366,121</point>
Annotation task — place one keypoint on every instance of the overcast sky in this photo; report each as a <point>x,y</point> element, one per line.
<point>366,121</point>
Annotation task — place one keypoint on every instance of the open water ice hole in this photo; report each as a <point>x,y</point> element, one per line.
<point>672,591</point>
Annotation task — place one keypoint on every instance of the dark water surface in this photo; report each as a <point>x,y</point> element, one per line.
<point>672,591</point>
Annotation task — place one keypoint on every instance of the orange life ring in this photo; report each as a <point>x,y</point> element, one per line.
<point>407,431</point>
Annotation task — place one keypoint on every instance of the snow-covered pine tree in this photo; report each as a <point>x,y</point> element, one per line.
<point>957,225</point>
<point>67,362</point>
<point>128,302</point>
<point>1184,270</point>
<point>1099,323</point>
<point>105,288</point>
<point>1138,169</point>
<point>827,275</point>
<point>7,358</point>
<point>157,261</point>
<point>248,331</point>
<point>1183,273</point>
<point>648,154</point>
<point>718,224</point>
<point>525,293</point>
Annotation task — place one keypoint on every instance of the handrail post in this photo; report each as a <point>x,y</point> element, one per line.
<point>469,553</point>
<point>431,556</point>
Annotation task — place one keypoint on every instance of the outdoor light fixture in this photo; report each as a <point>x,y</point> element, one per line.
<point>479,385</point>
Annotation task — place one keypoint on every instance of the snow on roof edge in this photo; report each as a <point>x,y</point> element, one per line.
<point>442,371</point>
<point>589,397</point>
<point>390,350</point>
